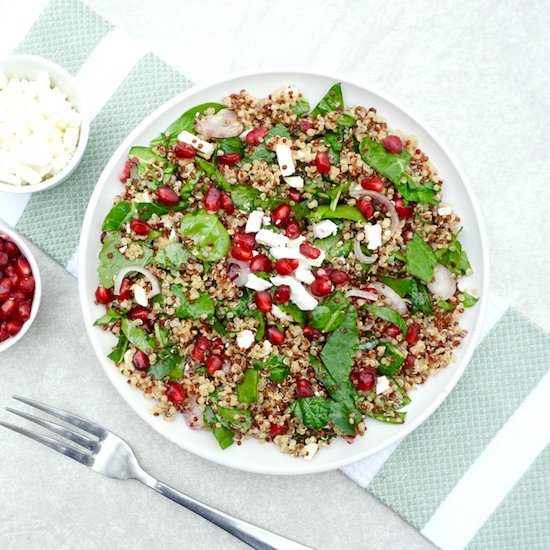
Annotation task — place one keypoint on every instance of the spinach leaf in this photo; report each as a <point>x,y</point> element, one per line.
<point>405,399</point>
<point>343,418</point>
<point>278,130</point>
<point>388,314</point>
<point>278,374</point>
<point>392,417</point>
<point>294,311</point>
<point>335,143</point>
<point>260,331</point>
<point>414,191</point>
<point>394,360</point>
<point>247,390</point>
<point>420,299</point>
<point>112,261</point>
<point>136,335</point>
<point>421,259</point>
<point>231,145</point>
<point>111,316</point>
<point>213,173</point>
<point>334,246</point>
<point>312,412</point>
<point>161,336</point>
<point>330,314</point>
<point>117,355</point>
<point>301,107</point>
<point>401,286</point>
<point>260,152</point>
<point>332,101</point>
<point>345,120</point>
<point>278,371</point>
<point>145,210</point>
<point>172,256</point>
<point>221,432</point>
<point>244,197</point>
<point>167,363</point>
<point>119,214</point>
<point>391,165</point>
<point>145,155</point>
<point>239,419</point>
<point>201,308</point>
<point>211,239</point>
<point>469,300</point>
<point>341,212</point>
<point>445,306</point>
<point>454,258</point>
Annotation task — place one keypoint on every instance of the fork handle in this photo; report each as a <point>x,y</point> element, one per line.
<point>258,538</point>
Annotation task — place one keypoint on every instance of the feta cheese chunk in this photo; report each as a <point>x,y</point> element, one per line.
<point>280,314</point>
<point>374,235</point>
<point>444,210</point>
<point>140,295</point>
<point>314,262</point>
<point>268,237</point>
<point>284,158</point>
<point>304,275</point>
<point>310,449</point>
<point>295,181</point>
<point>204,148</point>
<point>325,229</point>
<point>298,294</point>
<point>279,252</point>
<point>382,384</point>
<point>295,243</point>
<point>257,283</point>
<point>245,339</point>
<point>254,222</point>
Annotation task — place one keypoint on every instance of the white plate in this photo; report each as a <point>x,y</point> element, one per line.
<point>252,455</point>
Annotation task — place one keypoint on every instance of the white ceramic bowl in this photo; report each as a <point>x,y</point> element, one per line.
<point>28,66</point>
<point>5,230</point>
<point>253,455</point>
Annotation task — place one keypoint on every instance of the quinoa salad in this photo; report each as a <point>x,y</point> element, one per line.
<point>281,272</point>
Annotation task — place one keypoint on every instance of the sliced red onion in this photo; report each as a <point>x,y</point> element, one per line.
<point>223,124</point>
<point>443,283</point>
<point>244,271</point>
<point>397,302</point>
<point>360,255</point>
<point>155,287</point>
<point>194,411</point>
<point>358,293</point>
<point>358,192</point>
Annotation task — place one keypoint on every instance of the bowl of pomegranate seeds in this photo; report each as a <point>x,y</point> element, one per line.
<point>20,287</point>
<point>292,275</point>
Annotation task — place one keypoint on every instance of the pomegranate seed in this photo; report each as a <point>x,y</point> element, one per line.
<point>263,301</point>
<point>255,136</point>
<point>8,309</point>
<point>321,287</point>
<point>280,216</point>
<point>11,249</point>
<point>214,363</point>
<point>412,333</point>
<point>323,272</point>
<point>6,286</point>
<point>311,333</point>
<point>13,327</point>
<point>364,379</point>
<point>403,211</point>
<point>309,251</point>
<point>274,335</point>
<point>229,159</point>
<point>247,240</point>
<point>139,312</point>
<point>184,151</point>
<point>233,271</point>
<point>3,332</point>
<point>139,227</point>
<point>339,277</point>
<point>260,263</point>
<point>322,163</point>
<point>373,184</point>
<point>278,429</point>
<point>3,260</point>
<point>24,311</point>
<point>18,296</point>
<point>392,331</point>
<point>241,253</point>
<point>201,345</point>
<point>293,229</point>
<point>295,195</point>
<point>127,170</point>
<point>175,393</point>
<point>140,361</point>
<point>211,200</point>
<point>365,207</point>
<point>410,361</point>
<point>305,125</point>
<point>282,294</point>
<point>26,285</point>
<point>286,266</point>
<point>125,291</point>
<point>393,144</point>
<point>304,388</point>
<point>103,295</point>
<point>23,266</point>
<point>167,196</point>
<point>227,204</point>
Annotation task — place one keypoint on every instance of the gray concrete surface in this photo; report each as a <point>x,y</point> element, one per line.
<point>49,502</point>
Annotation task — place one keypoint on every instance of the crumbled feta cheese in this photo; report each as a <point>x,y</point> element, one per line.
<point>374,235</point>
<point>140,295</point>
<point>271,238</point>
<point>382,384</point>
<point>295,243</point>
<point>310,450</point>
<point>245,339</point>
<point>295,181</point>
<point>266,220</point>
<point>324,229</point>
<point>257,283</point>
<point>280,314</point>
<point>279,252</point>
<point>265,349</point>
<point>444,210</point>
<point>254,222</point>
<point>284,158</point>
<point>305,275</point>
<point>298,294</point>
<point>204,148</point>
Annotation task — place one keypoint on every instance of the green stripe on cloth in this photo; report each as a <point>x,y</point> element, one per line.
<point>66,32</point>
<point>53,218</point>
<point>427,465</point>
<point>523,519</point>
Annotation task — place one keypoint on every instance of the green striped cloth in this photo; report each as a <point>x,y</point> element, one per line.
<point>477,473</point>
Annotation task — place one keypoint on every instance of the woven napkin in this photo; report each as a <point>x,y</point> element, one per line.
<point>476,473</point>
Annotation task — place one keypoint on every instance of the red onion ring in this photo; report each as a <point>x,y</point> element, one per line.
<point>397,302</point>
<point>223,124</point>
<point>358,293</point>
<point>155,287</point>
<point>443,283</point>
<point>358,192</point>
<point>360,255</point>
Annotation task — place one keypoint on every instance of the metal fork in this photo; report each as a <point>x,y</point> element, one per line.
<point>108,454</point>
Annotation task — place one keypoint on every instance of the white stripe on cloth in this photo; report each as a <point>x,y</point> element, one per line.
<point>491,477</point>
<point>364,472</point>
<point>17,18</point>
<point>12,206</point>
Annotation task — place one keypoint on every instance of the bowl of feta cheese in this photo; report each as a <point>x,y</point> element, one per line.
<point>44,126</point>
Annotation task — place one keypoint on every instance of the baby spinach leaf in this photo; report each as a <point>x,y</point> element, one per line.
<point>295,312</point>
<point>110,316</point>
<point>345,120</point>
<point>247,390</point>
<point>161,336</point>
<point>421,259</point>
<point>387,314</point>
<point>341,416</point>
<point>172,256</point>
<point>145,155</point>
<point>335,143</point>
<point>244,197</point>
<point>301,107</point>
<point>213,173</point>
<point>341,212</point>
<point>334,246</point>
<point>401,286</point>
<point>136,335</point>
<point>391,417</point>
<point>405,399</point>
<point>469,300</point>
<point>312,412</point>
<point>454,258</point>
<point>201,308</point>
<point>222,433</point>
<point>167,363</point>
<point>260,331</point>
<point>117,355</point>
<point>414,191</point>
<point>278,130</point>
<point>278,374</point>
<point>278,371</point>
<point>260,152</point>
<point>211,239</point>
<point>239,419</point>
<point>145,210</point>
<point>231,145</point>
<point>391,165</point>
<point>445,306</point>
<point>395,357</point>
<point>119,214</point>
<point>330,314</point>
<point>332,101</point>
<point>420,299</point>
